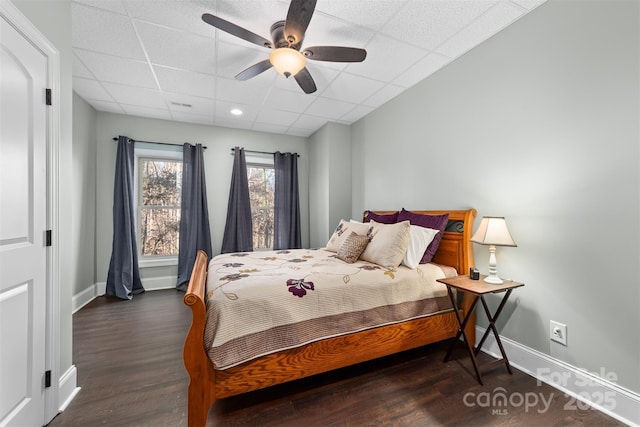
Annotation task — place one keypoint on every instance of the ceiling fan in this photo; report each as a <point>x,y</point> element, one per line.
<point>286,41</point>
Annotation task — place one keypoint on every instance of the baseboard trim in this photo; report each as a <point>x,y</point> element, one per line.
<point>67,387</point>
<point>583,386</point>
<point>84,297</point>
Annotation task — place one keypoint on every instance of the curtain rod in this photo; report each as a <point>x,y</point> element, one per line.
<point>159,143</point>
<point>259,152</point>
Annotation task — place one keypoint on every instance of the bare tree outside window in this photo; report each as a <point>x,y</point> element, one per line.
<point>159,194</point>
<point>261,193</point>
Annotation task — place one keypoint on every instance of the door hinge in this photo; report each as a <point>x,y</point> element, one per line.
<point>47,379</point>
<point>47,238</point>
<point>48,96</point>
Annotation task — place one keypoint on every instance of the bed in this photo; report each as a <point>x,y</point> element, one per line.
<point>216,373</point>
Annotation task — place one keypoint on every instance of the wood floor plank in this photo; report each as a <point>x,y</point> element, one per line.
<point>129,360</point>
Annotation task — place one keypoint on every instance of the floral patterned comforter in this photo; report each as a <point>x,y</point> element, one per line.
<point>262,302</point>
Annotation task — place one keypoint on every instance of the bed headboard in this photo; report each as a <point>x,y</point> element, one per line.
<point>456,249</point>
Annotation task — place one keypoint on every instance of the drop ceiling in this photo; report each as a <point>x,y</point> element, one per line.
<point>158,59</point>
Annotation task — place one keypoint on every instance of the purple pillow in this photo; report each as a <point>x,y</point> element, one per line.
<point>382,219</point>
<point>436,222</point>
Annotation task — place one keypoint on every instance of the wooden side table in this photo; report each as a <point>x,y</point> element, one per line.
<point>478,288</point>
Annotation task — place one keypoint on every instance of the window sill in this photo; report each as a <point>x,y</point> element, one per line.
<point>157,262</point>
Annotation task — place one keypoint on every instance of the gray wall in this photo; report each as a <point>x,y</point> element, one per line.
<point>538,124</point>
<point>329,181</point>
<point>218,164</point>
<point>53,19</point>
<point>84,195</point>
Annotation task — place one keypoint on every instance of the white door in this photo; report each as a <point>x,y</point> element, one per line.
<point>23,220</point>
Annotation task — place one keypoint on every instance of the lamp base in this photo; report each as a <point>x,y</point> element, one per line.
<point>494,280</point>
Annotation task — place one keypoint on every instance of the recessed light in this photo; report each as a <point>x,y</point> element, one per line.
<point>236,111</point>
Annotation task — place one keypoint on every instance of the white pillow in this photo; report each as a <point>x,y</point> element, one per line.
<point>388,243</point>
<point>343,231</point>
<point>421,237</point>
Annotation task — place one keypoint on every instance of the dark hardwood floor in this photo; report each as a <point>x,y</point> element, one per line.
<point>129,360</point>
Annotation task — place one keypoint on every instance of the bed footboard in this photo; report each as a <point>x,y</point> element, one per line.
<point>201,393</point>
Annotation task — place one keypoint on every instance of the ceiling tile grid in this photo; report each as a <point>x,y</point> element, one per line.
<point>159,59</point>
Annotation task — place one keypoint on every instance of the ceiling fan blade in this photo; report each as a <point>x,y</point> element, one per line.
<point>254,70</point>
<point>335,54</point>
<point>298,18</point>
<point>235,30</point>
<point>304,79</point>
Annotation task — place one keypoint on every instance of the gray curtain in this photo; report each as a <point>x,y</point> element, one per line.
<point>195,234</point>
<point>123,279</point>
<point>286,233</point>
<point>238,231</point>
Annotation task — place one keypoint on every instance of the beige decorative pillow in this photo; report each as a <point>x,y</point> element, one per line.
<point>342,232</point>
<point>388,245</point>
<point>352,247</point>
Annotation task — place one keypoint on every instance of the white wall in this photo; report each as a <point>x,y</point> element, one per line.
<point>218,165</point>
<point>538,124</point>
<point>84,194</point>
<point>329,181</point>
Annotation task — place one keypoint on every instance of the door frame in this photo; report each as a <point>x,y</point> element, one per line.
<point>52,329</point>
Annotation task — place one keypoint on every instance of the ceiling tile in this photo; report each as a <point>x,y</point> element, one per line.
<point>386,59</point>
<point>185,82</point>
<point>383,95</point>
<point>438,20</point>
<point>110,107</point>
<point>190,104</point>
<point>371,14</point>
<point>177,49</point>
<point>135,96</point>
<point>276,117</point>
<point>251,91</point>
<point>350,88</point>
<point>180,15</point>
<point>249,112</point>
<point>113,69</point>
<point>105,32</point>
<point>287,100</point>
<point>233,122</point>
<point>326,30</point>
<point>79,70</point>
<point>492,21</point>
<point>193,118</point>
<point>529,4</point>
<point>300,132</point>
<point>90,89</point>
<point>357,113</point>
<point>309,122</point>
<point>329,108</point>
<point>154,113</point>
<point>418,71</point>
<point>270,127</point>
<point>110,5</point>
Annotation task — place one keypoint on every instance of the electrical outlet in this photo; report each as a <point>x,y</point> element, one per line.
<point>558,332</point>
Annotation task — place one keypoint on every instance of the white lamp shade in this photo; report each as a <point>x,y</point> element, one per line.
<point>493,231</point>
<point>287,61</point>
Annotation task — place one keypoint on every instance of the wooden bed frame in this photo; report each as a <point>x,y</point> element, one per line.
<point>207,384</point>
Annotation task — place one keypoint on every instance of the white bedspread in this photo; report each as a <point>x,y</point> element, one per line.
<point>262,302</point>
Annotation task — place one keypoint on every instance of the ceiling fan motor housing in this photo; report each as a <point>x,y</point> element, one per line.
<point>279,39</point>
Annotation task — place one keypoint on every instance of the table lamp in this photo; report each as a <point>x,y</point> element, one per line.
<point>493,231</point>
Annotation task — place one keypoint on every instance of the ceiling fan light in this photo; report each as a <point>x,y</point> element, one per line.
<point>287,61</point>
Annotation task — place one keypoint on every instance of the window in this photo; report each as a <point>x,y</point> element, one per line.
<point>261,193</point>
<point>159,193</point>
